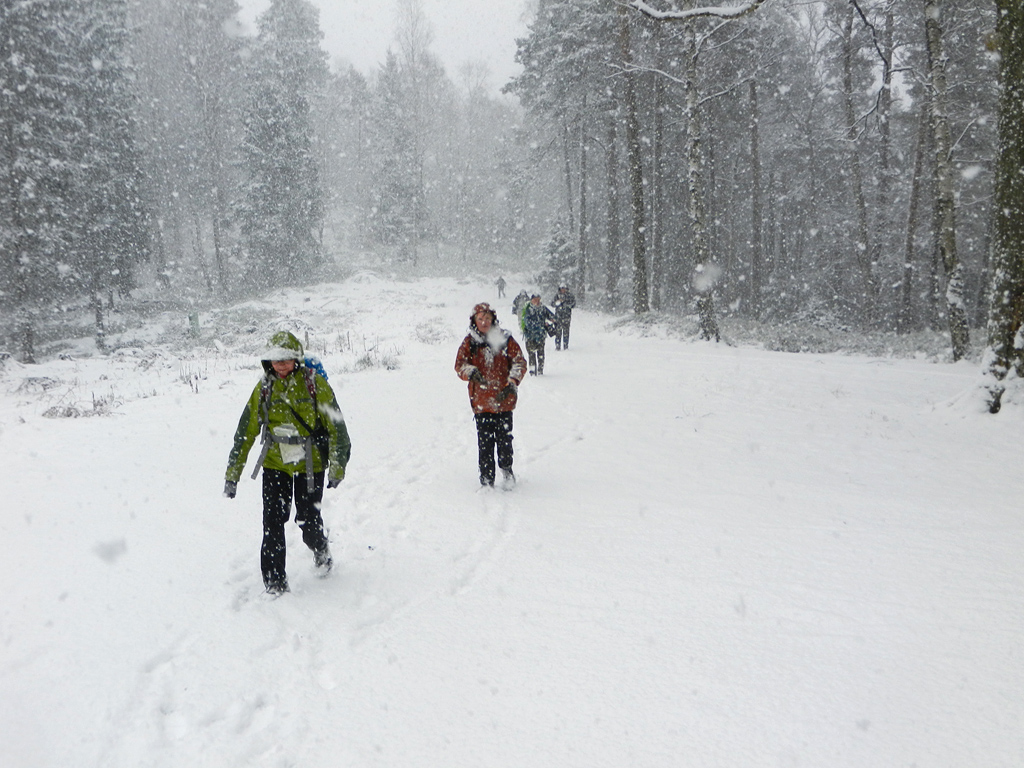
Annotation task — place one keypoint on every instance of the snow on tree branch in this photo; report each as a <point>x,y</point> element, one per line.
<point>721,11</point>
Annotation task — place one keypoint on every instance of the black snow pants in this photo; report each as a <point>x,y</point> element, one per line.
<point>278,489</point>
<point>562,332</point>
<point>535,351</point>
<point>493,431</point>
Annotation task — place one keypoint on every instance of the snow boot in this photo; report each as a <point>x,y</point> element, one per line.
<point>277,588</point>
<point>323,562</point>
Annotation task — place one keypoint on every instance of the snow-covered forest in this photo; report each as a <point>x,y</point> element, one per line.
<point>785,170</point>
<point>822,167</point>
<point>714,556</point>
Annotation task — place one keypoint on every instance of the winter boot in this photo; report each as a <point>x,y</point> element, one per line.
<point>508,479</point>
<point>277,588</point>
<point>322,561</point>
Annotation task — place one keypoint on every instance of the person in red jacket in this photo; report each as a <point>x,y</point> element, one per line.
<point>493,364</point>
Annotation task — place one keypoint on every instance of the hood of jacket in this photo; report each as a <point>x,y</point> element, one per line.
<point>283,345</point>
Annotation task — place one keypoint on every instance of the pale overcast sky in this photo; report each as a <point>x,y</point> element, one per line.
<point>361,31</point>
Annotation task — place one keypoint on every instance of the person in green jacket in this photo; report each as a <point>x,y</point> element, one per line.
<point>295,414</point>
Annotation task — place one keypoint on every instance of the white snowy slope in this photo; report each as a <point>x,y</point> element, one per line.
<point>715,557</point>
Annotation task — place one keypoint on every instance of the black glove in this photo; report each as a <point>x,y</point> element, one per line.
<point>230,486</point>
<point>334,483</point>
<point>509,390</point>
<point>477,377</point>
<point>339,475</point>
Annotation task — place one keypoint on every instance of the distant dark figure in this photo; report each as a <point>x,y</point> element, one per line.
<point>501,287</point>
<point>563,303</point>
<point>538,324</point>
<point>518,303</point>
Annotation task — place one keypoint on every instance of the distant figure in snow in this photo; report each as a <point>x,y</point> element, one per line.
<point>538,324</point>
<point>564,302</point>
<point>521,300</point>
<point>294,412</point>
<point>493,364</point>
<point>501,287</point>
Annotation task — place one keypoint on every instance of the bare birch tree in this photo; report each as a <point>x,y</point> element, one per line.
<point>705,272</point>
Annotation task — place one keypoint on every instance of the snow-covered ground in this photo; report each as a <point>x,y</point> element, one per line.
<point>715,557</point>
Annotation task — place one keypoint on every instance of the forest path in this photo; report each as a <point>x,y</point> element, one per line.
<point>714,547</point>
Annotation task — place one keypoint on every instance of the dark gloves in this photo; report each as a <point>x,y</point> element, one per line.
<point>508,391</point>
<point>477,377</point>
<point>339,475</point>
<point>230,486</point>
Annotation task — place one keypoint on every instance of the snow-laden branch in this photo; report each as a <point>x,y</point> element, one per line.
<point>721,11</point>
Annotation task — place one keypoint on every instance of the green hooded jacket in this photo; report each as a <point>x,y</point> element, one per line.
<point>290,391</point>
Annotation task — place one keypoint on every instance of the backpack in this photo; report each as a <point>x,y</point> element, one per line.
<point>314,363</point>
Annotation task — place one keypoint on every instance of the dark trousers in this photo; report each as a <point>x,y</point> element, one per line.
<point>562,332</point>
<point>494,431</point>
<point>535,349</point>
<point>278,490</point>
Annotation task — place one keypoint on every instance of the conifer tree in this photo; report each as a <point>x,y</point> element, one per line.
<point>397,193</point>
<point>110,213</point>
<point>36,78</point>
<point>210,53</point>
<point>71,217</point>
<point>282,215</point>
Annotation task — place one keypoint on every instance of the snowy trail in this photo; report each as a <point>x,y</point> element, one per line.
<point>714,556</point>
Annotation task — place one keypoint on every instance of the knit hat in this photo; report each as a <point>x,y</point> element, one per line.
<point>483,306</point>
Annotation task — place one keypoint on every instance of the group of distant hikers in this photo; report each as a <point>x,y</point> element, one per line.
<point>304,438</point>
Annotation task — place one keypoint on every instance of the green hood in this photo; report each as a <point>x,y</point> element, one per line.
<point>283,345</point>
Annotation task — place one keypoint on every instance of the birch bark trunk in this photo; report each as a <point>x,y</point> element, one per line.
<point>945,193</point>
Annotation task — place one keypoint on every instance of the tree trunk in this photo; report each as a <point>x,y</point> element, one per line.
<point>657,183</point>
<point>863,253</point>
<point>1005,330</point>
<point>569,191</point>
<point>219,217</point>
<point>885,220</point>
<point>945,202</point>
<point>27,337</point>
<point>100,326</point>
<point>905,318</point>
<point>756,281</point>
<point>705,273</point>
<point>636,171</point>
<point>581,262</point>
<point>197,246</point>
<point>613,268</point>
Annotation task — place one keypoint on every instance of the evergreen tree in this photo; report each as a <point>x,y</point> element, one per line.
<point>110,212</point>
<point>210,53</point>
<point>188,57</point>
<point>73,222</point>
<point>397,194</point>
<point>571,60</point>
<point>559,258</point>
<point>344,121</point>
<point>39,162</point>
<point>282,216</point>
